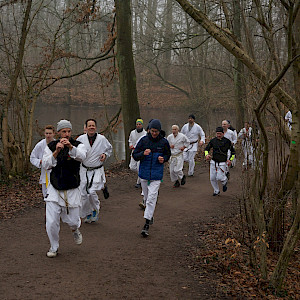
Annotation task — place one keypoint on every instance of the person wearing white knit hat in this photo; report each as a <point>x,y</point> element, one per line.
<point>63,198</point>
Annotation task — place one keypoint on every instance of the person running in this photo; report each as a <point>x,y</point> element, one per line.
<point>37,155</point>
<point>178,142</point>
<point>229,134</point>
<point>218,160</point>
<point>92,171</point>
<point>134,137</point>
<point>245,135</point>
<point>193,131</point>
<point>152,151</point>
<point>289,119</point>
<point>63,197</point>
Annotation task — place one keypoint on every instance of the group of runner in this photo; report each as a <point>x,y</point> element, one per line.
<point>72,170</point>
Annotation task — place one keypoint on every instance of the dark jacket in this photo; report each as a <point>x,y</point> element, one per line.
<point>65,175</point>
<point>220,148</point>
<point>150,167</point>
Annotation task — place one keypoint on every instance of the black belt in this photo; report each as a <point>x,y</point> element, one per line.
<point>92,168</point>
<point>89,184</point>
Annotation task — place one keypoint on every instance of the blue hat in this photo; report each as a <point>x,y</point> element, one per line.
<point>155,124</point>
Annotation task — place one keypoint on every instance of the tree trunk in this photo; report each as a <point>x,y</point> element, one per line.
<point>168,40</point>
<point>239,76</point>
<point>10,148</point>
<point>129,100</point>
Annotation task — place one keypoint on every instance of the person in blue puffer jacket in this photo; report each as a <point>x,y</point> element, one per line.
<point>152,150</point>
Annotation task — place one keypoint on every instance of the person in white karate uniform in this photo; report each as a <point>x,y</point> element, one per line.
<point>37,155</point>
<point>63,198</point>
<point>229,134</point>
<point>245,135</point>
<point>219,159</point>
<point>178,142</point>
<point>193,131</point>
<point>134,137</point>
<point>289,119</point>
<point>92,171</point>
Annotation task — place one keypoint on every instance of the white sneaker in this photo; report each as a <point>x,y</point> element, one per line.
<point>77,237</point>
<point>51,253</point>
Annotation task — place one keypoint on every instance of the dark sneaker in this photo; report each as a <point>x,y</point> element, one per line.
<point>176,184</point>
<point>216,194</point>
<point>145,231</point>
<point>225,187</point>
<point>183,179</point>
<point>105,193</point>
<point>137,186</point>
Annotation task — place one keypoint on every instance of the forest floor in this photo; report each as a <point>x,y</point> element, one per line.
<point>195,249</point>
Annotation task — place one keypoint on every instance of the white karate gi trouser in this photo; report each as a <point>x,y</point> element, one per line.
<point>189,156</point>
<point>176,166</point>
<point>134,166</point>
<point>89,202</point>
<point>150,190</point>
<point>248,155</point>
<point>53,214</point>
<point>217,173</point>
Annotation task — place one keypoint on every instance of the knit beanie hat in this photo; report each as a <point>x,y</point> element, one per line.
<point>219,129</point>
<point>63,124</point>
<point>155,124</point>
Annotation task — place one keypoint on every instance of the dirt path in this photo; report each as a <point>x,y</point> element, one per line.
<point>114,261</point>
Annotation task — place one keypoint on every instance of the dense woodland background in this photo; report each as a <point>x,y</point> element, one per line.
<point>234,55</point>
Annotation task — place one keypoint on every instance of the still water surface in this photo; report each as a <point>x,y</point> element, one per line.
<point>50,114</point>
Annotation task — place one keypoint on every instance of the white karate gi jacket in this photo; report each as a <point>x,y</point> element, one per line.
<point>193,135</point>
<point>101,145</point>
<point>36,156</point>
<point>229,134</point>
<point>73,195</point>
<point>179,141</point>
<point>135,136</point>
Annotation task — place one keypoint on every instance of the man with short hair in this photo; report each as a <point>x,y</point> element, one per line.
<point>37,155</point>
<point>134,137</point>
<point>218,160</point>
<point>152,151</point>
<point>228,133</point>
<point>63,200</point>
<point>178,142</point>
<point>92,171</point>
<point>193,131</point>
<point>232,136</point>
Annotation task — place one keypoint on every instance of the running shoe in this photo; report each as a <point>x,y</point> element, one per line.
<point>88,219</point>
<point>51,253</point>
<point>77,237</point>
<point>95,216</point>
<point>145,231</point>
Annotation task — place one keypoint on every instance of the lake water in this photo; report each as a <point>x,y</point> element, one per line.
<point>51,113</point>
